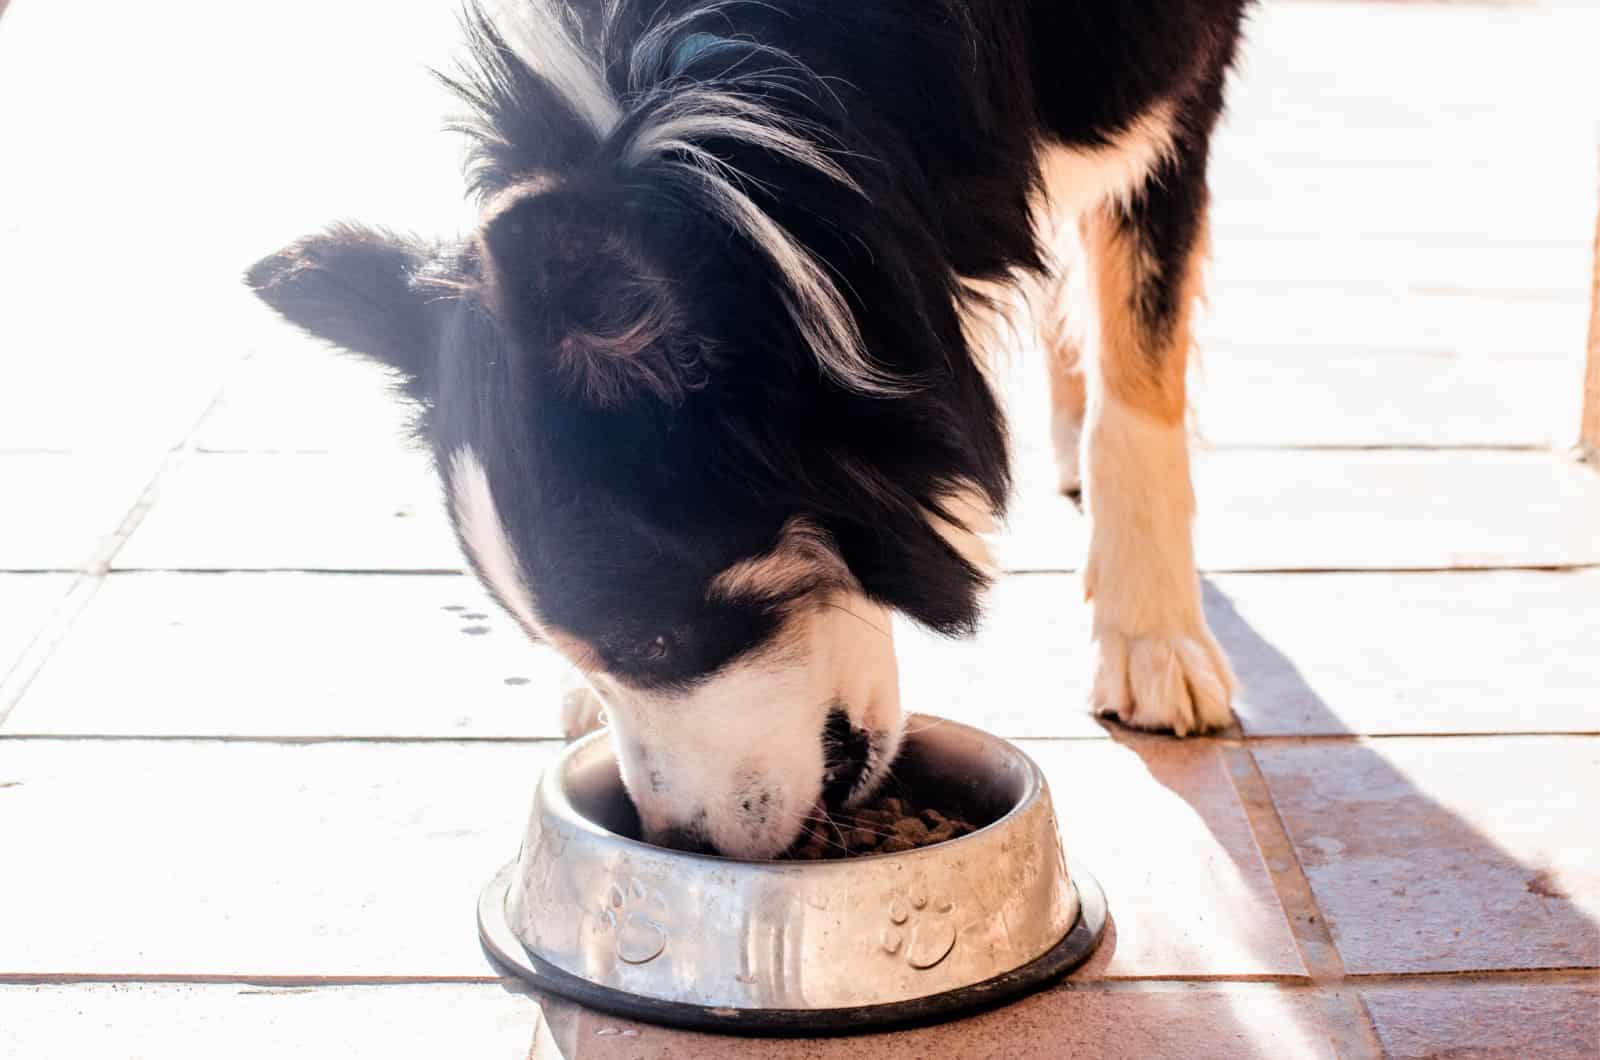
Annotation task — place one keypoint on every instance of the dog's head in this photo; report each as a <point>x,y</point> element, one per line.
<point>666,454</point>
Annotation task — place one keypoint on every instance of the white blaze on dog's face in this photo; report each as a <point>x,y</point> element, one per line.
<point>738,758</point>
<point>740,761</point>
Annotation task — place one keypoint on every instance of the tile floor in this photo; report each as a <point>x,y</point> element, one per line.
<point>261,742</point>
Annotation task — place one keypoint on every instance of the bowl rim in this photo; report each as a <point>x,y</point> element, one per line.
<point>555,803</point>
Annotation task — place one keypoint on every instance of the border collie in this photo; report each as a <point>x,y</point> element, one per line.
<point>707,385</point>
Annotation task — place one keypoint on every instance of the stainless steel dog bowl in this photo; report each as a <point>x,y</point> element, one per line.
<point>590,913</point>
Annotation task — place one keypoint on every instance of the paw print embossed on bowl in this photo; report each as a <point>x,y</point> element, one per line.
<point>591,913</point>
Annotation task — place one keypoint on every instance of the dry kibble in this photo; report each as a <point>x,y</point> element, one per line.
<point>911,829</point>
<point>861,839</point>
<point>892,825</point>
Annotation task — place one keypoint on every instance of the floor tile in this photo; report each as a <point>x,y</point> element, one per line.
<point>301,397</point>
<point>1448,855</point>
<point>176,1021</point>
<point>1194,1020</point>
<point>1411,653</point>
<point>72,504</point>
<point>1254,397</point>
<point>25,603</point>
<point>1511,326</point>
<point>1446,266</point>
<point>384,656</point>
<point>54,403</point>
<point>212,858</point>
<point>1024,674</point>
<point>313,853</point>
<point>1157,821</point>
<point>1299,510</point>
<point>1298,318</point>
<point>1358,400</point>
<point>1547,385</point>
<point>1436,199</point>
<point>373,511</point>
<point>1492,1021</point>
<point>311,655</point>
<point>425,656</point>
<point>1316,654</point>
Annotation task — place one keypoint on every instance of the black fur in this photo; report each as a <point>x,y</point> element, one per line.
<point>634,464</point>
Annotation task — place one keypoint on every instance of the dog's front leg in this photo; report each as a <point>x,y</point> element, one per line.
<point>1157,666</point>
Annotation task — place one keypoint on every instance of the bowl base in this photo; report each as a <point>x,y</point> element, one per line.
<point>1075,947</point>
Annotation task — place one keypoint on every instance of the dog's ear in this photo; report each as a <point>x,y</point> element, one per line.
<point>564,275</point>
<point>357,288</point>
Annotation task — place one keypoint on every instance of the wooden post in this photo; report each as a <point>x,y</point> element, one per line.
<point>1589,427</point>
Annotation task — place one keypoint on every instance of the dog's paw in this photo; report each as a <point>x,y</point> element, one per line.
<point>582,712</point>
<point>1180,685</point>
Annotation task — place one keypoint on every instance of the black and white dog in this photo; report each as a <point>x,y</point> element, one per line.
<point>706,387</point>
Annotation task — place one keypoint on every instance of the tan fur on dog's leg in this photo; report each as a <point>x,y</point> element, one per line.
<point>1157,665</point>
<point>1068,396</point>
<point>1063,304</point>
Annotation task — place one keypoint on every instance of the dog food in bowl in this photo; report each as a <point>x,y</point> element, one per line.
<point>888,825</point>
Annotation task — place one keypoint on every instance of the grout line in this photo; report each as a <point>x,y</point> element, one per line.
<point>1312,937</point>
<point>1297,739</point>
<point>425,572</point>
<point>243,979</point>
<point>1572,976</point>
<point>92,574</point>
<point>1553,568</point>
<point>281,740</point>
<point>15,680</point>
<point>1419,981</point>
<point>1238,742</point>
<point>1376,447</point>
<point>1431,572</point>
<point>1349,1023</point>
<point>1029,570</point>
<point>1024,570</point>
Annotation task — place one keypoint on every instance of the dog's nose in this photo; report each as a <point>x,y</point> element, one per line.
<point>844,749</point>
